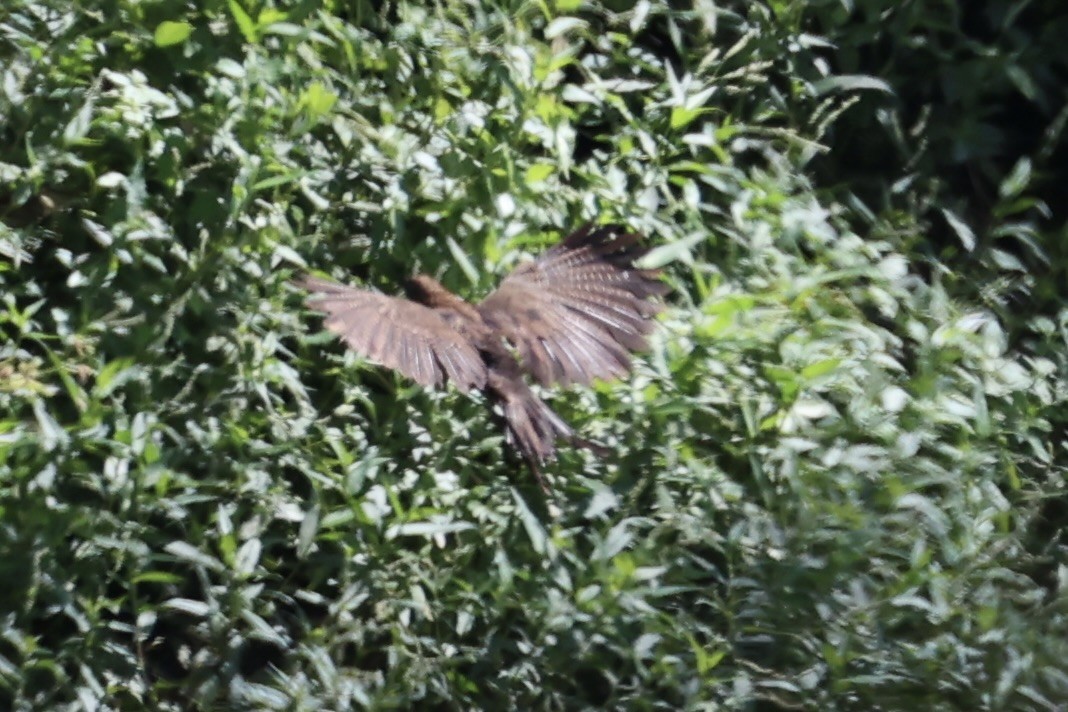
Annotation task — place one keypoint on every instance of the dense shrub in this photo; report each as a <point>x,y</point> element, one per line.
<point>837,478</point>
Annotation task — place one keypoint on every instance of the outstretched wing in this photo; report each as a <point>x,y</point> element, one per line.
<point>576,312</point>
<point>400,334</point>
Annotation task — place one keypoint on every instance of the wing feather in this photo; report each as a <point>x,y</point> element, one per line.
<point>576,312</point>
<point>400,334</point>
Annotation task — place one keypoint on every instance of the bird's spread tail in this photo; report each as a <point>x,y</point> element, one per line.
<point>533,427</point>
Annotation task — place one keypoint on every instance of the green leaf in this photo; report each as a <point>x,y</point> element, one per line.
<point>563,25</point>
<point>428,529</point>
<point>244,22</point>
<point>317,100</point>
<point>78,126</point>
<point>270,16</point>
<point>535,532</point>
<point>113,375</point>
<point>189,606</point>
<point>682,116</point>
<point>666,254</point>
<point>462,260</point>
<point>820,368</point>
<point>850,83</point>
<point>171,33</point>
<point>52,433</point>
<point>189,553</point>
<point>165,577</point>
<point>1017,180</point>
<point>538,172</point>
<point>309,527</point>
<point>964,232</point>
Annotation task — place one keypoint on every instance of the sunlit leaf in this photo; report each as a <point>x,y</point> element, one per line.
<point>171,33</point>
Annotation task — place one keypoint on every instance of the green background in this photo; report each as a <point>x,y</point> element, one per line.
<point>837,478</point>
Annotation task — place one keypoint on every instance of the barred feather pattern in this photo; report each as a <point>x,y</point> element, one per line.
<point>406,336</point>
<point>577,312</point>
<point>573,315</point>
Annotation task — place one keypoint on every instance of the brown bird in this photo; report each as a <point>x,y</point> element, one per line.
<point>570,316</point>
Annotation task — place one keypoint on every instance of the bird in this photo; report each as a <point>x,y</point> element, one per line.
<point>574,314</point>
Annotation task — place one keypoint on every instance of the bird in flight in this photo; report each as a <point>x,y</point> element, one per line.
<point>572,315</point>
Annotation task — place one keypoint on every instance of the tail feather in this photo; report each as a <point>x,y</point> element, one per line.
<point>533,427</point>
<point>530,425</point>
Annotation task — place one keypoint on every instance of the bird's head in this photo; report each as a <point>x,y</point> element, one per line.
<point>428,291</point>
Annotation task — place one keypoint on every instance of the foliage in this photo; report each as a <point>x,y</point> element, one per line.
<point>838,479</point>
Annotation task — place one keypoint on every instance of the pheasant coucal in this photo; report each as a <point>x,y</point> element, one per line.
<point>572,315</point>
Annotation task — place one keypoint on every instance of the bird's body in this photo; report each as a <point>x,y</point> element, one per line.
<point>570,316</point>
<point>531,423</point>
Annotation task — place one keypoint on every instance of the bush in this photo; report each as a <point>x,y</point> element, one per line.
<point>837,476</point>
